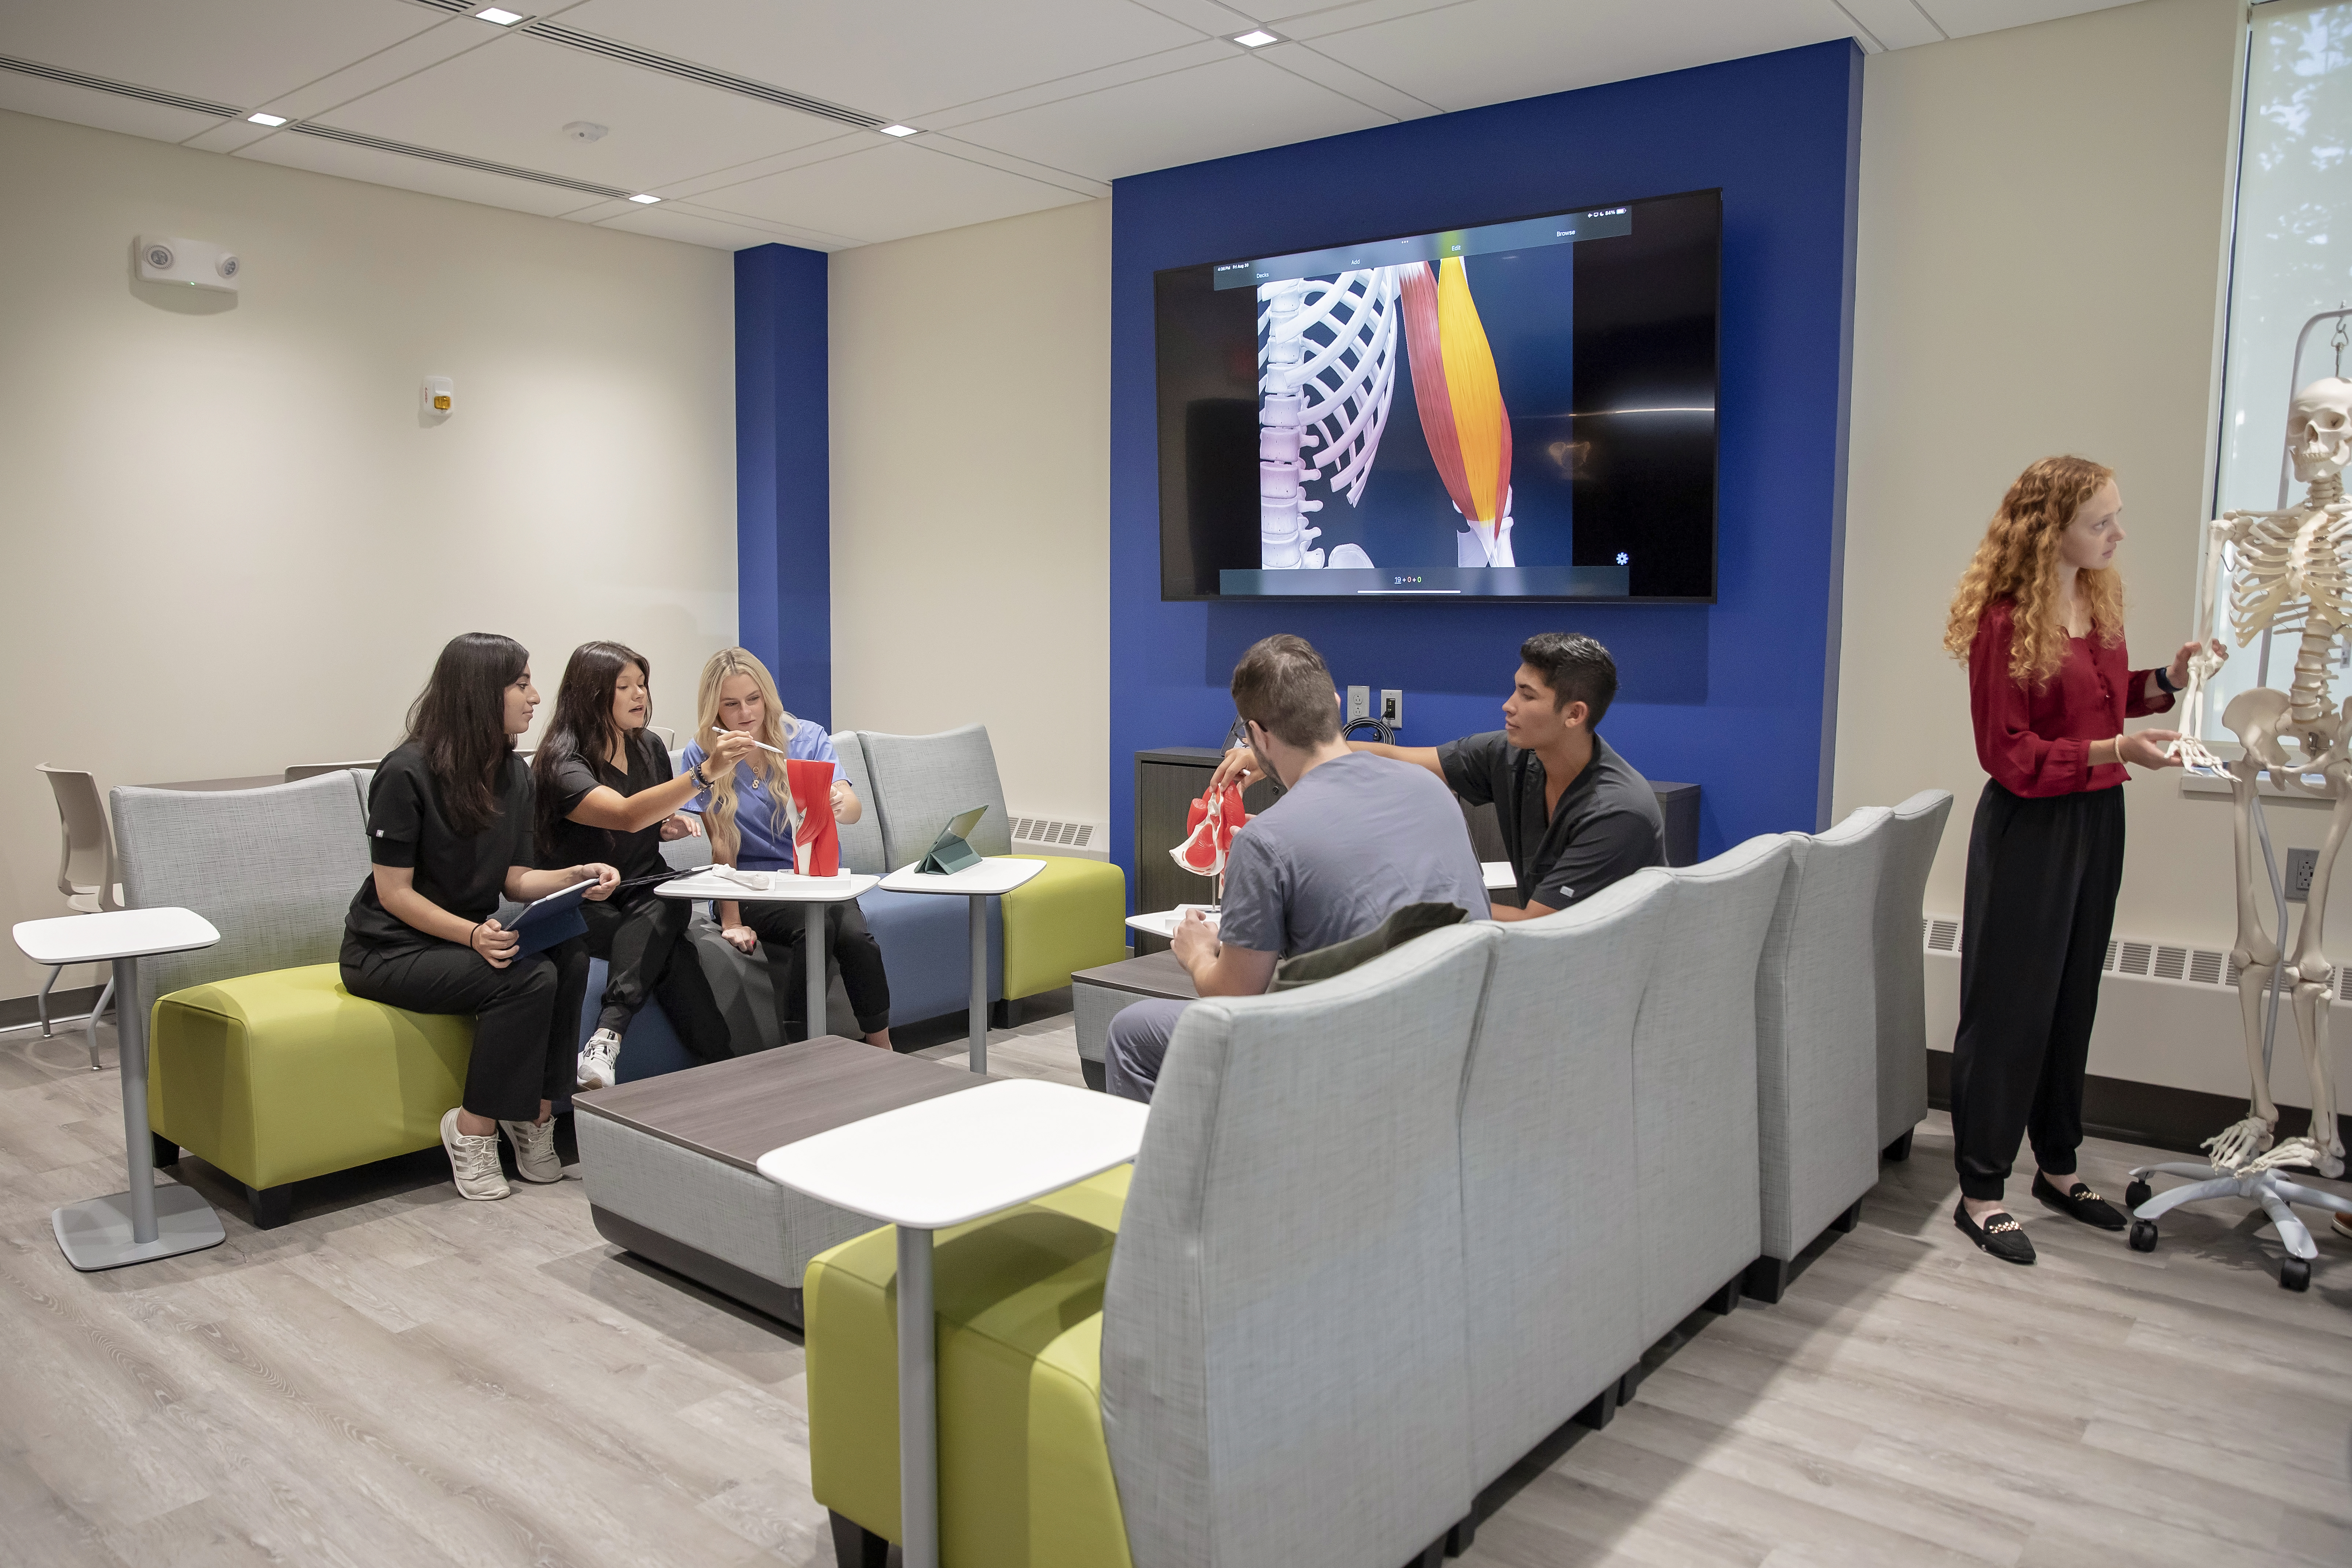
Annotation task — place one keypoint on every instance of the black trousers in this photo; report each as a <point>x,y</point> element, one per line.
<point>2040,902</point>
<point>854,948</point>
<point>647,953</point>
<point>526,1016</point>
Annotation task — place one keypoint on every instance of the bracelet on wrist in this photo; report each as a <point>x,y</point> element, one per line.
<point>699,776</point>
<point>2164,682</point>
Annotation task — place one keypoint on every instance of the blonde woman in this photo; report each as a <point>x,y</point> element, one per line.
<point>748,814</point>
<point>2038,619</point>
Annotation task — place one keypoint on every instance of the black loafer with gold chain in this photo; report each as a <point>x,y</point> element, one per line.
<point>2000,1234</point>
<point>2078,1202</point>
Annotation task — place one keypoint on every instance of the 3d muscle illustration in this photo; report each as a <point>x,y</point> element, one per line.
<point>1460,397</point>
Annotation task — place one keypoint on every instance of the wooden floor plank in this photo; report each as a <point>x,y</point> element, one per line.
<point>402,1377</point>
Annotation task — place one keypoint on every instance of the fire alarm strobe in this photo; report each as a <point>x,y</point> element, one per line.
<point>197,263</point>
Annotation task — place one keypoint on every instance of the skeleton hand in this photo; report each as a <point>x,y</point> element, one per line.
<point>2240,1142</point>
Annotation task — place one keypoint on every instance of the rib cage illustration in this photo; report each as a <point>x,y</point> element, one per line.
<point>1327,370</point>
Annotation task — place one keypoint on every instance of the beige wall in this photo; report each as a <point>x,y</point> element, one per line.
<point>231,542</point>
<point>971,496</point>
<point>2040,268</point>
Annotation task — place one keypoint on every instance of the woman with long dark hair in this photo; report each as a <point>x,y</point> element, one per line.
<point>2039,618</point>
<point>604,792</point>
<point>449,831</point>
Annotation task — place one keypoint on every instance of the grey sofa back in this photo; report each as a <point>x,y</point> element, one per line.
<point>861,841</point>
<point>1901,992</point>
<point>1549,1238</point>
<point>1283,1355</point>
<point>273,869</point>
<point>1817,1033</point>
<point>922,781</point>
<point>1695,1180</point>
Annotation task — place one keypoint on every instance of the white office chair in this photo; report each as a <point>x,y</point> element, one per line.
<point>667,736</point>
<point>85,873</point>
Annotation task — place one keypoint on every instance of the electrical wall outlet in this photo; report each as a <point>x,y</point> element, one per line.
<point>1359,703</point>
<point>2300,865</point>
<point>1393,706</point>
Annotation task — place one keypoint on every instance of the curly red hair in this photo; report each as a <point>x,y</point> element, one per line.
<point>2018,561</point>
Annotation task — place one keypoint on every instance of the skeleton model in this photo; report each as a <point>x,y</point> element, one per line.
<point>1326,371</point>
<point>2290,573</point>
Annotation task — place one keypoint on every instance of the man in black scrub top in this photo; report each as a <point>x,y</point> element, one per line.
<point>1575,815</point>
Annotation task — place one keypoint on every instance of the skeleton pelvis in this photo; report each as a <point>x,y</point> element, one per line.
<point>2257,717</point>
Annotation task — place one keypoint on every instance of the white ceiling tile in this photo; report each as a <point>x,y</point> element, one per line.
<point>898,58</point>
<point>234,51</point>
<point>1207,51</point>
<point>1208,15</point>
<point>1296,19</point>
<point>1962,18</point>
<point>445,40</point>
<point>1305,60</point>
<point>667,222</point>
<point>1895,24</point>
<point>973,152</point>
<point>1237,105</point>
<point>887,193</point>
<point>408,173</point>
<point>1491,51</point>
<point>106,110</point>
<point>511,104</point>
<point>839,146</point>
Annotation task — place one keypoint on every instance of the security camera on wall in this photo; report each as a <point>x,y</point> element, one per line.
<point>196,263</point>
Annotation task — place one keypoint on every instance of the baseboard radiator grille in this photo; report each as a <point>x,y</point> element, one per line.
<point>2132,957</point>
<point>1053,835</point>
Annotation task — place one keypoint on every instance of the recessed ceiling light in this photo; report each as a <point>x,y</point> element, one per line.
<point>1255,38</point>
<point>898,129</point>
<point>642,200</point>
<point>267,118</point>
<point>503,18</point>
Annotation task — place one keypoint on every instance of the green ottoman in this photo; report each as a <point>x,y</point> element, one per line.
<point>281,1075</point>
<point>1070,916</point>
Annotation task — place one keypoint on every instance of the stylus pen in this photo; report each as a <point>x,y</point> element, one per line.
<point>761,744</point>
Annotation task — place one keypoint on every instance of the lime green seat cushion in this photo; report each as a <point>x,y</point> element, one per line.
<point>281,1075</point>
<point>1024,1475</point>
<point>1071,915</point>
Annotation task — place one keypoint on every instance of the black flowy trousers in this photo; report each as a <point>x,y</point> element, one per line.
<point>526,1016</point>
<point>854,949</point>
<point>2041,903</point>
<point>647,953</point>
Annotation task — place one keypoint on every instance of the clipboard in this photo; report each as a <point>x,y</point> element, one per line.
<point>948,852</point>
<point>554,919</point>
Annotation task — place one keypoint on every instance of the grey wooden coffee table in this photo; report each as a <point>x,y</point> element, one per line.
<point>1098,994</point>
<point>672,1163</point>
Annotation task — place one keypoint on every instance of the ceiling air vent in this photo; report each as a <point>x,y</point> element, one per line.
<point>382,144</point>
<point>121,89</point>
<point>670,65</point>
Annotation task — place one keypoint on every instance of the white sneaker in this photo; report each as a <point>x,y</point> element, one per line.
<point>599,1060</point>
<point>473,1162</point>
<point>534,1146</point>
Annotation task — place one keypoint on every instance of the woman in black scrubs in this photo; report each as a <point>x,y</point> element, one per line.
<point>604,792</point>
<point>449,826</point>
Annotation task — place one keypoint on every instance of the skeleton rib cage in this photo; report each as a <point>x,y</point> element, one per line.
<point>1327,355</point>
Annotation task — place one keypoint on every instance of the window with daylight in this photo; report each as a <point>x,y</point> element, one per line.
<point>2291,262</point>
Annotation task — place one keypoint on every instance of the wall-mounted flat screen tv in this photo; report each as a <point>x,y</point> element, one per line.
<point>1518,409</point>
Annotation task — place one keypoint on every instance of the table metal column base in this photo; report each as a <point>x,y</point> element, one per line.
<point>918,1414</point>
<point>95,1233</point>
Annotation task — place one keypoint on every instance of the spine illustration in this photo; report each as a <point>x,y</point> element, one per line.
<point>1327,369</point>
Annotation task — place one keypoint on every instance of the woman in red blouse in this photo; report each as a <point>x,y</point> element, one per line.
<point>2039,618</point>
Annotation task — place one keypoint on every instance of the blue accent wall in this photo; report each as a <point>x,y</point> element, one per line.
<point>784,560</point>
<point>1739,697</point>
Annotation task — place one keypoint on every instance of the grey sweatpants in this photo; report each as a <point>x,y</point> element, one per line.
<point>1137,1044</point>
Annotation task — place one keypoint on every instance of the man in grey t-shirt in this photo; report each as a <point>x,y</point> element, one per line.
<point>1356,838</point>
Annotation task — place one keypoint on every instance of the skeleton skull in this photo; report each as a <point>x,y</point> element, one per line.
<point>2319,429</point>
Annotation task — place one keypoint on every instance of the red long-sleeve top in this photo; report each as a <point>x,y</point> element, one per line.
<point>2036,741</point>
